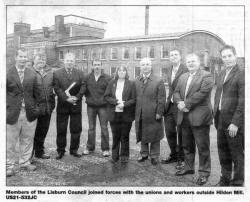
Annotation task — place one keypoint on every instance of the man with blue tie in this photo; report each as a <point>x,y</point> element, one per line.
<point>229,119</point>
<point>192,96</point>
<point>22,110</point>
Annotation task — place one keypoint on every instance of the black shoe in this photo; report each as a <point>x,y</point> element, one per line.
<point>142,159</point>
<point>202,180</point>
<point>180,165</point>
<point>59,156</point>
<point>224,182</point>
<point>169,160</point>
<point>43,156</point>
<point>154,161</point>
<point>184,172</point>
<point>75,154</point>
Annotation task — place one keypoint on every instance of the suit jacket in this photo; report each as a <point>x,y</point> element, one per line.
<point>197,100</point>
<point>62,81</point>
<point>172,85</point>
<point>17,92</point>
<point>150,100</point>
<point>233,98</point>
<point>128,95</point>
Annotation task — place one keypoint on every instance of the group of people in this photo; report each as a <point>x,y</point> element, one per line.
<point>186,113</point>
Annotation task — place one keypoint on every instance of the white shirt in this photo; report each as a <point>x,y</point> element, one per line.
<point>190,78</point>
<point>227,73</point>
<point>174,71</point>
<point>21,76</point>
<point>118,93</point>
<point>97,77</point>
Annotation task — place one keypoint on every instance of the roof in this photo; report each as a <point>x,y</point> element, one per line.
<point>77,41</point>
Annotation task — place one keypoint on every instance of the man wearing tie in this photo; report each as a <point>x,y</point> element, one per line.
<point>21,113</point>
<point>150,102</point>
<point>192,94</point>
<point>69,105</point>
<point>229,119</point>
<point>171,128</point>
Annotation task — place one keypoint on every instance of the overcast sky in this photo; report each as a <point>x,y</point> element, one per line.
<point>225,21</point>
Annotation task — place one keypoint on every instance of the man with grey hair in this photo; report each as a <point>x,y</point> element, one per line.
<point>46,102</point>
<point>192,96</point>
<point>150,102</point>
<point>69,86</point>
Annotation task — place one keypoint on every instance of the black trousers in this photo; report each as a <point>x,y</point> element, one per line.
<point>231,154</point>
<point>120,130</point>
<point>75,126</point>
<point>172,131</point>
<point>193,136</point>
<point>41,131</point>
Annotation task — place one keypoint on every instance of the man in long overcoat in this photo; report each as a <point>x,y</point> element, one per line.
<point>150,102</point>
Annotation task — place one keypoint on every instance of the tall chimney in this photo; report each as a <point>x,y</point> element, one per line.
<point>146,19</point>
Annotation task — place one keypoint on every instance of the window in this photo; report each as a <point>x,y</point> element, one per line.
<point>84,54</point>
<point>103,54</point>
<point>114,53</point>
<point>151,52</point>
<point>164,52</point>
<point>137,71</point>
<point>138,54</point>
<point>61,55</point>
<point>125,53</point>
<point>112,72</point>
<point>94,55</point>
<point>78,54</point>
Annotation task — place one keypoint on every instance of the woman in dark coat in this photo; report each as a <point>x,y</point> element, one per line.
<point>120,95</point>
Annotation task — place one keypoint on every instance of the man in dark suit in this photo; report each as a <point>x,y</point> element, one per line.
<point>150,102</point>
<point>192,94</point>
<point>22,111</point>
<point>229,119</point>
<point>171,128</point>
<point>69,86</point>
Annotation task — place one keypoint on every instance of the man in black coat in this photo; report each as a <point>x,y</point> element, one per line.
<point>171,128</point>
<point>229,119</point>
<point>69,86</point>
<point>22,110</point>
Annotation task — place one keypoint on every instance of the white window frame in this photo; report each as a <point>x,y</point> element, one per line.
<point>111,50</point>
<point>136,51</point>
<point>148,55</point>
<point>105,54</point>
<point>84,50</point>
<point>92,51</point>
<point>166,58</point>
<point>123,52</point>
<point>134,71</point>
<point>60,55</point>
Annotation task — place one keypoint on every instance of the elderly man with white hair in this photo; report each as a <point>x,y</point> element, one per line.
<point>150,102</point>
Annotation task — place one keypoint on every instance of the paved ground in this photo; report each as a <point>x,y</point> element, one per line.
<point>95,170</point>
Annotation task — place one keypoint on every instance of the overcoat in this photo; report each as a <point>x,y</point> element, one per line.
<point>150,100</point>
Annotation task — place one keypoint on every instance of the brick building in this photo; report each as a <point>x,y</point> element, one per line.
<point>85,37</point>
